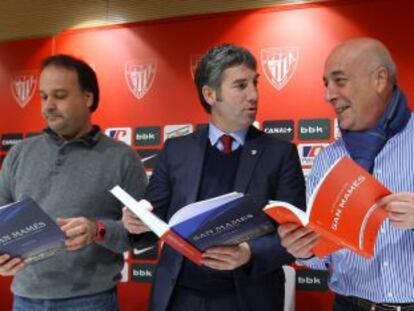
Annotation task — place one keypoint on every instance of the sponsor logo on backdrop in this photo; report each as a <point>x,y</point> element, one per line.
<point>171,131</point>
<point>194,61</point>
<point>283,129</point>
<point>147,253</point>
<point>279,64</point>
<point>9,140</point>
<point>148,136</point>
<point>140,75</point>
<point>148,157</point>
<point>23,86</point>
<point>142,273</point>
<point>123,134</point>
<point>311,280</point>
<point>308,152</point>
<point>337,130</point>
<point>314,129</point>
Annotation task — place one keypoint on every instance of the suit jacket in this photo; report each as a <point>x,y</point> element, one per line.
<point>269,168</point>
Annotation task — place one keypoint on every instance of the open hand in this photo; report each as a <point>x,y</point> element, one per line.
<point>297,240</point>
<point>227,257</point>
<point>10,266</point>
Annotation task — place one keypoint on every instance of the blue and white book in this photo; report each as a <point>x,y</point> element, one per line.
<point>27,232</point>
<point>228,219</point>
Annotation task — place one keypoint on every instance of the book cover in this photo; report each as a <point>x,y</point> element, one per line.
<point>26,231</point>
<point>224,220</point>
<point>342,209</point>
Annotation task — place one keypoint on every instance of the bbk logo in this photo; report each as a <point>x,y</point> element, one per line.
<point>23,87</point>
<point>123,134</point>
<point>148,157</point>
<point>142,273</point>
<point>148,136</point>
<point>9,140</point>
<point>171,131</point>
<point>311,280</point>
<point>279,65</point>
<point>282,129</point>
<point>314,129</point>
<point>140,75</point>
<point>308,153</point>
<point>194,61</point>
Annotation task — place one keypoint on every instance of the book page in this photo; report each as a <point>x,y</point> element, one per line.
<point>284,212</point>
<point>141,210</point>
<point>201,207</point>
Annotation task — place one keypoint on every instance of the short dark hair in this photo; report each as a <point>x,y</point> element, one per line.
<point>86,75</point>
<point>212,65</point>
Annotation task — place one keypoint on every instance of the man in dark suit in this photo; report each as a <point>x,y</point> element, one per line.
<point>202,165</point>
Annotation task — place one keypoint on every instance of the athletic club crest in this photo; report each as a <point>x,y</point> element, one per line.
<point>140,75</point>
<point>23,86</point>
<point>279,64</point>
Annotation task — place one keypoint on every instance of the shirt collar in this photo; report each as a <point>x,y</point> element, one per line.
<point>214,134</point>
<point>89,139</point>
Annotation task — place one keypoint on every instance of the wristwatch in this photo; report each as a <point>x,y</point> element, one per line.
<point>100,234</point>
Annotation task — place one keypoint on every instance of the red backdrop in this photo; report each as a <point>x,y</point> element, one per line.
<point>162,54</point>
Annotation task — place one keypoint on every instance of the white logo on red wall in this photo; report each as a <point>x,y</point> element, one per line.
<point>194,61</point>
<point>279,64</point>
<point>23,86</point>
<point>177,130</point>
<point>140,75</point>
<point>123,134</point>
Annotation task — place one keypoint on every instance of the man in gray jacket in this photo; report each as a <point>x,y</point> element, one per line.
<point>68,170</point>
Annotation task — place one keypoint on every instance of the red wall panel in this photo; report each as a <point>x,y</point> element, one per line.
<point>172,45</point>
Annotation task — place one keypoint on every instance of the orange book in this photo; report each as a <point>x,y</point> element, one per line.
<point>342,210</point>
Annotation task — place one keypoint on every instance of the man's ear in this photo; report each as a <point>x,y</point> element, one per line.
<point>381,79</point>
<point>89,99</point>
<point>209,94</point>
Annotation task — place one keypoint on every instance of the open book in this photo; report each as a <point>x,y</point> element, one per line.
<point>342,209</point>
<point>228,219</point>
<point>27,232</point>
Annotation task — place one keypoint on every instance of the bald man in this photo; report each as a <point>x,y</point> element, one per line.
<point>378,133</point>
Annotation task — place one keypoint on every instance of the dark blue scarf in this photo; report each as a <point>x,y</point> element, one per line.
<point>364,146</point>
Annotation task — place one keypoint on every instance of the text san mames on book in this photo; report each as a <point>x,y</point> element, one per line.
<point>342,202</point>
<point>19,233</point>
<point>230,225</point>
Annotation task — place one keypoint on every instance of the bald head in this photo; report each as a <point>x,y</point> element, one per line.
<point>366,54</point>
<point>359,77</point>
